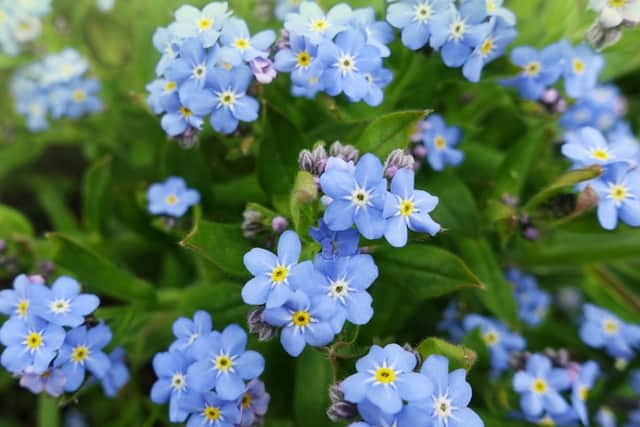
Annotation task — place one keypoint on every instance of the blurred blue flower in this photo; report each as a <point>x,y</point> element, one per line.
<point>539,69</point>
<point>171,197</point>
<point>634,419</point>
<point>285,7</point>
<point>193,69</point>
<point>205,24</point>
<point>411,415</point>
<point>63,304</point>
<point>378,33</point>
<point>16,301</point>
<point>600,108</point>
<point>335,243</point>
<point>618,191</point>
<point>587,146</point>
<point>237,41</point>
<point>84,98</point>
<point>188,331</point>
<point>311,21</point>
<point>82,350</point>
<point>304,320</point>
<point>254,403</point>
<point>406,207</point>
<point>385,378</point>
<point>605,417</point>
<point>440,141</point>
<point>51,381</point>
<point>603,329</point>
<point>533,303</point>
<point>209,409</point>
<point>171,369</point>
<point>539,387</point>
<point>587,375</point>
<point>582,68</point>
<point>223,362</point>
<point>30,346</point>
<point>491,47</point>
<point>452,322</point>
<point>232,104</point>
<point>376,81</point>
<point>416,19</point>
<point>168,44</point>
<point>117,375</point>
<point>357,197</point>
<point>491,8</point>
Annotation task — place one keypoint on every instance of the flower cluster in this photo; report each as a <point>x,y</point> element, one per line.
<point>438,142</point>
<point>208,377</point>
<point>56,86</point>
<point>209,60</point>
<point>541,386</point>
<point>337,52</point>
<point>171,197</point>
<point>470,36</point>
<point>601,108</point>
<point>285,7</point>
<point>533,302</point>
<point>49,342</point>
<point>20,23</point>
<point>603,329</point>
<point>389,392</point>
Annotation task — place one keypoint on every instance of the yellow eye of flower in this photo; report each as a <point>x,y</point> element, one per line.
<point>385,375</point>
<point>241,43</point>
<point>33,341</point>
<point>303,58</point>
<point>204,24</point>
<point>547,422</point>
<point>171,199</point>
<point>532,69</point>
<point>440,142</point>
<point>211,413</point>
<point>279,274</point>
<point>491,6</point>
<point>578,66</point>
<point>583,393</point>
<point>23,305</point>
<point>617,3</point>
<point>600,154</point>
<point>486,47</point>
<point>79,354</point>
<point>185,111</point>
<point>611,326</point>
<point>319,25</point>
<point>223,363</point>
<point>246,400</point>
<point>79,95</point>
<point>406,208</point>
<point>301,318</point>
<point>227,98</point>
<point>491,338</point>
<point>539,386</point>
<point>169,86</point>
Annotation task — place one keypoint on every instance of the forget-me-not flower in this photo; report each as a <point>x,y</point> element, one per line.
<point>52,381</point>
<point>204,24</point>
<point>237,41</point>
<point>440,141</point>
<point>379,33</point>
<point>603,329</point>
<point>188,331</point>
<point>16,301</point>
<point>192,69</point>
<point>171,197</point>
<point>63,304</point>
<point>117,375</point>
<point>581,70</point>
<point>29,345</point>
<point>586,378</point>
<point>587,146</point>
<point>493,45</point>
<point>209,409</point>
<point>312,22</point>
<point>540,386</point>
<point>416,19</point>
<point>186,109</point>
<point>254,403</point>
<point>171,369</point>
<point>539,69</point>
<point>335,243</point>
<point>232,104</point>
<point>618,192</point>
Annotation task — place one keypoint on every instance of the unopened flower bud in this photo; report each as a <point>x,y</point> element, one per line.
<point>518,360</point>
<point>284,40</point>
<point>348,153</point>
<point>258,326</point>
<point>189,138</point>
<point>3,245</point>
<point>335,393</point>
<point>45,268</point>
<point>279,224</point>
<point>36,279</point>
<point>397,159</point>
<point>342,411</point>
<point>252,224</point>
<point>587,199</point>
<point>420,151</point>
<point>313,161</point>
<point>263,70</point>
<point>415,353</point>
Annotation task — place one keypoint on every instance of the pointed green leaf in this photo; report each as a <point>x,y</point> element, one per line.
<point>569,179</point>
<point>95,195</point>
<point>305,192</point>
<point>13,223</point>
<point>459,356</point>
<point>389,132</point>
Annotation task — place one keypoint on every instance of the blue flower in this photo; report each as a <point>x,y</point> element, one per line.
<point>411,415</point>
<point>82,350</point>
<point>440,140</point>
<point>29,345</point>
<point>501,342</point>
<point>335,243</point>
<point>52,381</point>
<point>385,378</point>
<point>171,370</point>
<point>188,331</point>
<point>491,8</point>
<point>304,320</point>
<point>452,322</point>
<point>273,274</point>
<point>587,376</point>
<point>493,46</point>
<point>539,70</point>
<point>186,109</point>
<point>603,329</point>
<point>347,281</point>
<point>449,396</point>
<point>533,303</point>
<point>605,417</point>
<point>456,35</point>
<point>159,92</point>
<point>634,419</point>
<point>232,104</point>
<point>168,44</point>
<point>193,69</point>
<point>618,191</point>
<point>379,33</point>
<point>211,410</point>
<point>63,304</point>
<point>300,59</point>
<point>312,23</point>
<point>587,146</point>
<point>237,41</point>
<point>205,24</point>
<point>285,7</point>
<point>416,19</point>
<point>117,375</point>
<point>171,197</point>
<point>254,403</point>
<point>600,108</point>
<point>376,81</point>
<point>84,98</point>
<point>539,386</point>
<point>566,419</point>
<point>347,60</point>
<point>16,301</point>
<point>408,208</point>
<point>581,70</point>
<point>223,363</point>
<point>357,197</point>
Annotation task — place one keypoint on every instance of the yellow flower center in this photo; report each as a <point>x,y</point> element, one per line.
<point>227,98</point>
<point>440,142</point>
<point>169,86</point>
<point>246,400</point>
<point>227,66</point>
<point>79,353</point>
<point>185,111</point>
<point>546,421</point>
<point>3,17</point>
<point>385,375</point>
<point>33,341</point>
<point>486,47</point>
<point>578,66</point>
<point>23,305</point>
<point>491,338</point>
<point>457,29</point>
<point>304,59</point>
<point>491,6</point>
<point>406,208</point>
<point>241,43</point>
<point>313,81</point>
<point>583,393</point>
<point>617,3</point>
<point>211,413</point>
<point>79,95</point>
<point>539,386</point>
<point>319,25</point>
<point>533,68</point>
<point>600,154</point>
<point>301,318</point>
<point>610,327</point>
<point>279,274</point>
<point>171,199</point>
<point>204,24</point>
<point>223,363</point>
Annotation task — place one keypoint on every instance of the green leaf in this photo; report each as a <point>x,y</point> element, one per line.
<point>311,390</point>
<point>498,293</point>
<point>221,244</point>
<point>96,273</point>
<point>604,289</point>
<point>569,179</point>
<point>305,192</point>
<point>13,223</point>
<point>280,146</point>
<point>95,194</point>
<point>389,132</point>
<point>425,271</point>
<point>459,356</point>
<point>48,412</point>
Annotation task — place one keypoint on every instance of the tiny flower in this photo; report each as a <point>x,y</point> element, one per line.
<point>379,33</point>
<point>223,363</point>
<point>231,102</point>
<point>357,197</point>
<point>205,24</point>
<point>117,375</point>
<point>491,47</point>
<point>52,381</point>
<point>82,350</point>
<point>254,403</point>
<point>237,41</point>
<point>345,152</point>
<point>210,409</point>
<point>168,44</point>
<point>16,301</point>
<point>188,331</point>
<point>600,108</point>
<point>603,329</point>
<point>311,21</point>
<point>533,303</point>
<point>440,141</point>
<point>304,320</point>
<point>185,109</point>
<point>581,70</point>
<point>539,69</point>
<point>491,8</point>
<point>614,12</point>
<point>171,370</point>
<point>416,19</point>
<point>63,304</point>
<point>406,207</point>
<point>335,243</point>
<point>171,197</point>
<point>619,196</point>
<point>587,376</point>
<point>587,146</point>
<point>540,386</point>
<point>84,98</point>
<point>29,345</point>
<point>263,70</point>
<point>299,60</point>
<point>605,417</point>
<point>385,378</point>
<point>193,68</point>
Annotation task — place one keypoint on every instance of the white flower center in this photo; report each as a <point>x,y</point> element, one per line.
<point>442,408</point>
<point>360,197</point>
<point>346,63</point>
<point>60,306</point>
<point>339,289</point>
<point>199,72</point>
<point>457,29</point>
<point>610,326</point>
<point>178,381</point>
<point>227,98</point>
<point>422,12</point>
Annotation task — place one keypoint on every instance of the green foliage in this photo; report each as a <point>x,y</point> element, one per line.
<point>459,356</point>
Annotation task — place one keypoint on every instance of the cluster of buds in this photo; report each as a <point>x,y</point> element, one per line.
<point>398,159</point>
<point>613,18</point>
<point>315,161</point>
<point>340,410</point>
<point>553,101</point>
<point>256,222</point>
<point>258,326</point>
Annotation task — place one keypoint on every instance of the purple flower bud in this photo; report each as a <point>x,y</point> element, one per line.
<point>335,393</point>
<point>258,326</point>
<point>263,70</point>
<point>348,153</point>
<point>531,233</point>
<point>3,245</point>
<point>560,107</point>
<point>550,96</point>
<point>420,151</point>
<point>279,224</point>
<point>397,159</point>
<point>189,138</point>
<point>36,279</point>
<point>284,41</point>
<point>342,411</point>
<point>390,172</point>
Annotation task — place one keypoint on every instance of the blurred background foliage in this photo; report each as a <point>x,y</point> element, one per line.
<point>74,195</point>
